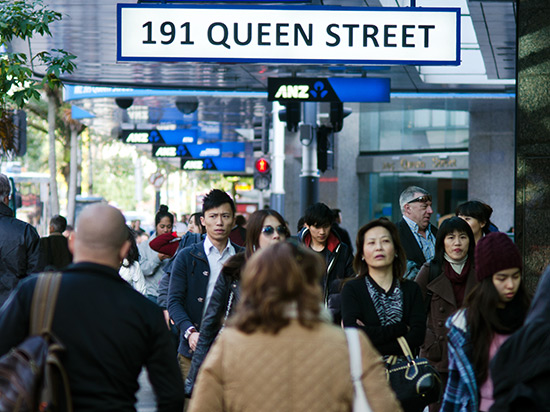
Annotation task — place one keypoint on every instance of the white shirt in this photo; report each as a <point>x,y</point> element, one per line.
<point>215,261</point>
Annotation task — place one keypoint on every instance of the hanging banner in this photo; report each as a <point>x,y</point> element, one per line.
<point>282,34</point>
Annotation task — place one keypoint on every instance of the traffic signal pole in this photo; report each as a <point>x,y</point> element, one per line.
<point>309,177</point>
<point>277,199</point>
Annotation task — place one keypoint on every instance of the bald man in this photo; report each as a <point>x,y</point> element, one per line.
<point>109,330</point>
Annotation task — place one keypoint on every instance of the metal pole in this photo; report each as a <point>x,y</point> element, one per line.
<point>277,200</point>
<point>309,178</point>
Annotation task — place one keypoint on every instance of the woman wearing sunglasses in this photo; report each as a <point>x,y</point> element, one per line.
<point>265,227</point>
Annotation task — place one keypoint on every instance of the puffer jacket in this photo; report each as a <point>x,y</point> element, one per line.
<point>19,251</point>
<point>339,267</point>
<point>297,369</point>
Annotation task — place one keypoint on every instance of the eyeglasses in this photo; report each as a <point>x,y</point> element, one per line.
<point>269,230</point>
<point>423,199</point>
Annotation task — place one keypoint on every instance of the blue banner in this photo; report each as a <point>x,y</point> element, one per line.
<point>198,151</point>
<point>221,164</point>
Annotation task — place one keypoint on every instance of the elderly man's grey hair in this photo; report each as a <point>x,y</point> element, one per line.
<point>409,194</point>
<point>5,188</point>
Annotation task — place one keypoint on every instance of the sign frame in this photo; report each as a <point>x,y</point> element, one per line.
<point>123,56</point>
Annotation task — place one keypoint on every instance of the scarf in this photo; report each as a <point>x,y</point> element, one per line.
<point>458,279</point>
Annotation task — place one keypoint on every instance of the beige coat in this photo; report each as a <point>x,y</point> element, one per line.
<point>297,369</point>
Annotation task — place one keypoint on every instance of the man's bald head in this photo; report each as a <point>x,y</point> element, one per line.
<point>101,236</point>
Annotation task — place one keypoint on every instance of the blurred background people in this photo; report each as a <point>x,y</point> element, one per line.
<point>478,216</point>
<point>265,227</point>
<point>343,234</point>
<point>130,270</point>
<point>260,362</point>
<point>238,233</point>
<point>445,282</point>
<point>416,232</point>
<point>495,308</point>
<point>194,224</point>
<point>152,262</point>
<point>55,247</point>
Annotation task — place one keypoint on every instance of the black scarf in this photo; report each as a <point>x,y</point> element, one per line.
<point>511,317</point>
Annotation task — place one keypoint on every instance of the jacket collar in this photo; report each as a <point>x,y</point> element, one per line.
<point>332,241</point>
<point>442,286</point>
<point>94,268</point>
<point>5,210</point>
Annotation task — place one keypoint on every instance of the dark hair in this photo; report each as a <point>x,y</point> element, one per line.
<point>273,279</point>
<point>196,217</point>
<point>478,210</point>
<point>300,224</point>
<point>162,213</point>
<point>133,252</point>
<point>399,262</point>
<point>240,220</point>
<point>255,225</point>
<point>58,223</point>
<point>451,225</point>
<point>319,215</point>
<point>216,198</point>
<point>482,319</point>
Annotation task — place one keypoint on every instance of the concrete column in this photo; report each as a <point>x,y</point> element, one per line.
<point>533,138</point>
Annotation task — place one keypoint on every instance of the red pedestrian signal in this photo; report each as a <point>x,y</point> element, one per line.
<point>262,174</point>
<point>262,165</point>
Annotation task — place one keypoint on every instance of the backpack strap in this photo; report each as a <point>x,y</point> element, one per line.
<point>43,303</point>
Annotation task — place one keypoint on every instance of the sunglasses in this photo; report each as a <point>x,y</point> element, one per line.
<point>423,199</point>
<point>269,230</point>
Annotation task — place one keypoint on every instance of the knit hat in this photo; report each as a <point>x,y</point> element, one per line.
<point>495,252</point>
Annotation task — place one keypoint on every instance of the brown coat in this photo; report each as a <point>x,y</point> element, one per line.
<point>297,369</point>
<point>443,304</point>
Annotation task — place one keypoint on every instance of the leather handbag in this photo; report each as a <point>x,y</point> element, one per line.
<point>415,382</point>
<point>360,403</point>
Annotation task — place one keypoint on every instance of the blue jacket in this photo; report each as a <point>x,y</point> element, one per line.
<point>461,392</point>
<point>187,291</point>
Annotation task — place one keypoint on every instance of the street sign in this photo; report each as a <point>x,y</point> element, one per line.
<point>333,89</point>
<point>301,34</point>
<point>198,151</point>
<point>220,164</point>
<point>147,136</point>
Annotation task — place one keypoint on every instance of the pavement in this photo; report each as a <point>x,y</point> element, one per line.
<point>145,395</point>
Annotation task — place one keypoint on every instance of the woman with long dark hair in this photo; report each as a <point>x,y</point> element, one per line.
<point>379,300</point>
<point>444,282</point>
<point>265,227</point>
<point>278,353</point>
<point>130,269</point>
<point>494,309</point>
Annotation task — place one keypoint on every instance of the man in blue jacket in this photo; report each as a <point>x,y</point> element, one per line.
<point>195,271</point>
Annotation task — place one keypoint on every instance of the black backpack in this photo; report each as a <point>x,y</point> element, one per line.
<point>32,377</point>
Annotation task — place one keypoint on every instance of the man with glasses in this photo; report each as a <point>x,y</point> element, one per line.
<point>415,230</point>
<point>318,236</point>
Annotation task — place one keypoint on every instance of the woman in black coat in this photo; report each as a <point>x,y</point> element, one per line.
<point>379,300</point>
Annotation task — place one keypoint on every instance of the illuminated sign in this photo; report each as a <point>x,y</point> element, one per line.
<point>302,34</point>
<point>220,164</point>
<point>160,136</point>
<point>194,151</point>
<point>334,89</point>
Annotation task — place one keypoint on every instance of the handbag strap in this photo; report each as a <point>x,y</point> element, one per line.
<point>405,348</point>
<point>43,303</point>
<point>360,402</point>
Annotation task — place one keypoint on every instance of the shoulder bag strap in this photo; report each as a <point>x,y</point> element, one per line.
<point>360,402</point>
<point>43,302</point>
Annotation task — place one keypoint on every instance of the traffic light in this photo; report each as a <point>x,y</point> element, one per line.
<point>325,148</point>
<point>291,115</point>
<point>262,174</point>
<point>337,115</point>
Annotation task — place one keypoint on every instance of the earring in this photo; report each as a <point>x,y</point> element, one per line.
<point>363,258</point>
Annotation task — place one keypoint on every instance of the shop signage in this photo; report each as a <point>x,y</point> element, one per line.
<point>301,34</point>
<point>197,151</point>
<point>405,163</point>
<point>221,164</point>
<point>335,89</point>
<point>139,136</point>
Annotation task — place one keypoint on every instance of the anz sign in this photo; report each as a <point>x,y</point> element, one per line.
<point>329,89</point>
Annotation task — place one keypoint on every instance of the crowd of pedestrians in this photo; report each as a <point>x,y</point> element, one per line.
<point>248,317</point>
